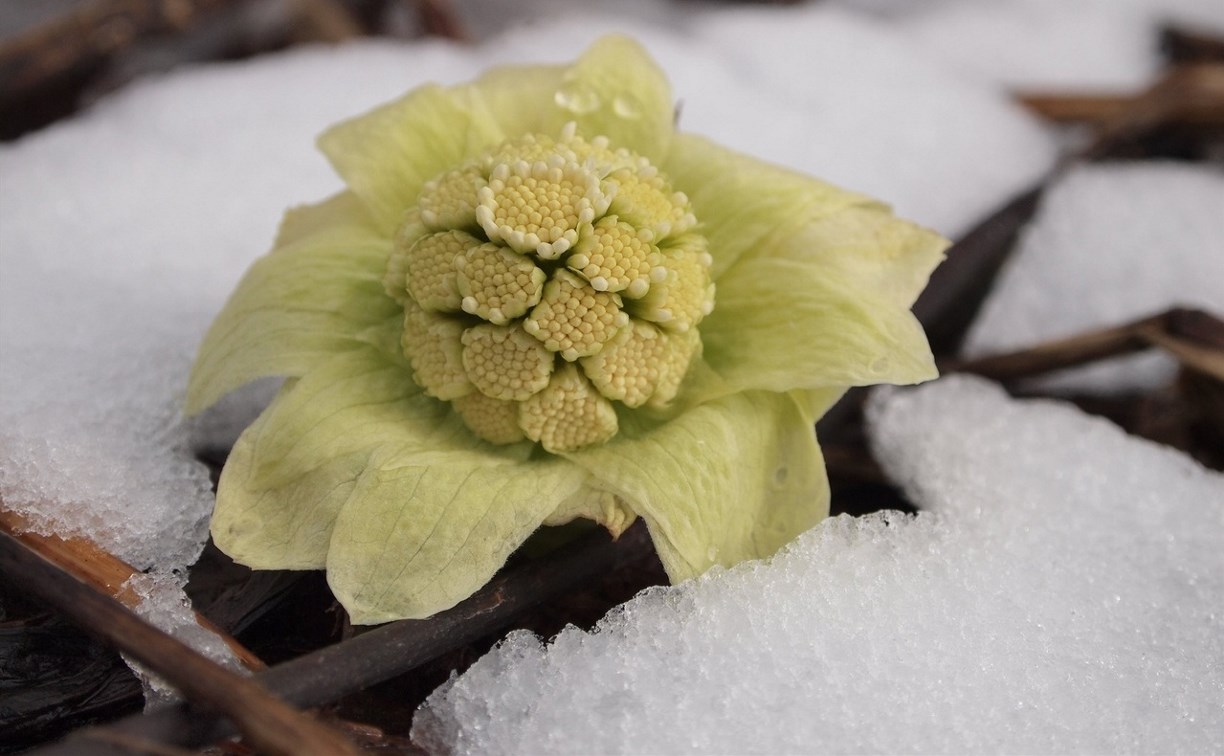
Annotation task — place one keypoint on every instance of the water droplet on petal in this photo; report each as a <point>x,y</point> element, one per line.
<point>577,97</point>
<point>880,365</point>
<point>627,106</point>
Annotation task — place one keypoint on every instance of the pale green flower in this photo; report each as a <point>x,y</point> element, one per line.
<point>537,301</point>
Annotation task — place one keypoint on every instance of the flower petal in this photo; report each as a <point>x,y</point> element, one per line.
<point>297,305</point>
<point>356,402</point>
<point>729,480</point>
<point>278,497</point>
<point>419,539</point>
<point>501,93</point>
<point>387,155</point>
<point>615,89</point>
<point>780,324</point>
<point>286,527</point>
<point>593,503</point>
<point>866,248</point>
<point>745,205</point>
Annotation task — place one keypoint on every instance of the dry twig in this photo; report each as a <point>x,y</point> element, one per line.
<point>95,32</point>
<point>1194,337</point>
<point>269,723</point>
<point>391,650</point>
<point>1188,95</point>
<point>102,571</point>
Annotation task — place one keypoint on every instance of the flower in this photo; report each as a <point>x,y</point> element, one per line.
<point>537,301</point>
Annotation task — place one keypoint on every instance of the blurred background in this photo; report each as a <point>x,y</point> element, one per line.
<point>57,56</point>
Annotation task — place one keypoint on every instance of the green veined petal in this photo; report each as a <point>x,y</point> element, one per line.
<point>615,90</point>
<point>355,402</point>
<point>867,248</point>
<point>297,305</point>
<point>746,206</point>
<point>729,480</point>
<point>628,96</point>
<point>781,324</point>
<point>814,403</point>
<point>419,539</point>
<point>288,527</point>
<point>387,155</point>
<point>502,92</point>
<point>338,214</point>
<point>295,467</point>
<point>593,503</point>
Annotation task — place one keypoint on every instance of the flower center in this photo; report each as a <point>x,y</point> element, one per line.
<point>547,281</point>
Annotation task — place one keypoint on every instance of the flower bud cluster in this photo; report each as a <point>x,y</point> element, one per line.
<point>547,280</point>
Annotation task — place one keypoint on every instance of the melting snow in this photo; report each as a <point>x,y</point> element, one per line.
<point>1032,607</point>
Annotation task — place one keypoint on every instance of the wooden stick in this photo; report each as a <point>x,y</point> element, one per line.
<point>1187,45</point>
<point>1075,107</point>
<point>1191,94</point>
<point>439,19</point>
<point>94,32</point>
<point>323,21</point>
<point>391,650</point>
<point>103,572</point>
<point>957,288</point>
<point>1193,337</point>
<point>270,724</point>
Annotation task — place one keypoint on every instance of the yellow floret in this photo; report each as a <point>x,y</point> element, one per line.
<point>498,284</point>
<point>561,246</point>
<point>538,207</point>
<point>503,362</point>
<point>632,365</point>
<point>685,294</point>
<point>597,154</point>
<point>449,201</point>
<point>494,420</point>
<point>532,148</point>
<point>569,414</point>
<point>431,269</point>
<point>615,256</point>
<point>433,346</point>
<point>682,349</point>
<point>395,277</point>
<point>574,319</point>
<point>642,197</point>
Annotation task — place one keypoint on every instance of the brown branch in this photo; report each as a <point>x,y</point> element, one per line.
<point>1190,95</point>
<point>391,650</point>
<point>323,21</point>
<point>852,462</point>
<point>1185,45</point>
<point>93,33</point>
<point>269,723</point>
<point>102,571</point>
<point>439,19</point>
<point>1075,107</point>
<point>960,284</point>
<point>1195,338</point>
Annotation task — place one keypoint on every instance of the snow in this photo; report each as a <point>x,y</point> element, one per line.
<point>164,603</point>
<point>123,230</point>
<point>1031,607</point>
<point>1111,243</point>
<point>1049,45</point>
